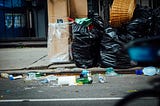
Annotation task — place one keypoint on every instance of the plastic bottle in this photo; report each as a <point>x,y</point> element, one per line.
<point>85,77</point>
<point>49,79</point>
<point>31,76</point>
<point>11,77</point>
<point>158,71</point>
<point>34,75</point>
<point>100,78</point>
<point>84,80</point>
<point>85,73</point>
<point>46,80</point>
<point>150,71</point>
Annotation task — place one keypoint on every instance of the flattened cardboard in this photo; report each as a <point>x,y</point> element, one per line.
<point>78,8</point>
<point>58,9</point>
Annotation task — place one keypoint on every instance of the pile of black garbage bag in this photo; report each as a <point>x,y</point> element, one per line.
<point>104,46</point>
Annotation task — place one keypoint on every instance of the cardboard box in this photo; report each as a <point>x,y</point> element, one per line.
<point>78,8</point>
<point>67,8</point>
<point>58,9</point>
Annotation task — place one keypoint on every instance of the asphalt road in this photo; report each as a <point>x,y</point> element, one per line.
<point>77,102</point>
<point>34,93</point>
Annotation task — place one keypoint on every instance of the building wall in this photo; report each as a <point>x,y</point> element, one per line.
<point>23,19</point>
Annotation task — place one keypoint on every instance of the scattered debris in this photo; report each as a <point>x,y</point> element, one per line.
<point>33,75</point>
<point>49,78</point>
<point>67,80</point>
<point>40,91</point>
<point>28,88</point>
<point>101,78</point>
<point>1,97</point>
<point>8,91</point>
<point>138,72</point>
<point>111,72</point>
<point>85,77</point>
<point>150,71</point>
<point>84,73</point>
<point>4,75</point>
<point>131,91</point>
<point>11,77</point>
<point>83,81</point>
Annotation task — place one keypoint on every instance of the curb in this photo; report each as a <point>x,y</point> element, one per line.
<point>67,71</point>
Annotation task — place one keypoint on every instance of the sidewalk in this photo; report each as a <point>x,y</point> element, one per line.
<point>21,60</point>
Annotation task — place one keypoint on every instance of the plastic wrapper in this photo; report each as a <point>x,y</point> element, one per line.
<point>58,42</point>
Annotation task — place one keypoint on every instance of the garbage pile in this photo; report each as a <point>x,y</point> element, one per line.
<point>85,77</point>
<point>35,79</point>
<point>94,44</point>
<point>55,80</point>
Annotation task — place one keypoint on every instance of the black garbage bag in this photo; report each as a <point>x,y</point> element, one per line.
<point>86,43</point>
<point>139,28</point>
<point>81,54</point>
<point>145,22</point>
<point>98,22</point>
<point>109,48</point>
<point>112,52</point>
<point>156,21</point>
<point>125,37</point>
<point>108,54</point>
<point>85,46</point>
<point>143,12</point>
<point>123,59</point>
<point>96,44</point>
<point>81,46</point>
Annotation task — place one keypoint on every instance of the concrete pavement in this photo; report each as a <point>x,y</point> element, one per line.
<point>21,60</point>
